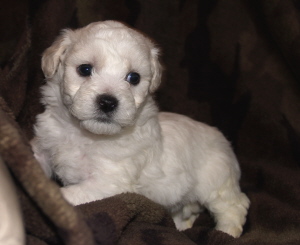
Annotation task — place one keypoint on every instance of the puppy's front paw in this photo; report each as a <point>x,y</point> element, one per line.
<point>82,193</point>
<point>68,194</point>
<point>73,195</point>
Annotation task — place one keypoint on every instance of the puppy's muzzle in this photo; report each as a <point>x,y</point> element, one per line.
<point>107,103</point>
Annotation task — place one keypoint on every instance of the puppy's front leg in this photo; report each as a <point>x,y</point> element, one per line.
<point>87,191</point>
<point>74,194</point>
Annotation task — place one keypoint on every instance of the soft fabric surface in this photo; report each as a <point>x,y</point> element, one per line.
<point>233,64</point>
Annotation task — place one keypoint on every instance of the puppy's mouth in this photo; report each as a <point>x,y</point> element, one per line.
<point>101,126</point>
<point>104,120</point>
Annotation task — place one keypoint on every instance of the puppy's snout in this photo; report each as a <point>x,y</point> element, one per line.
<point>107,103</point>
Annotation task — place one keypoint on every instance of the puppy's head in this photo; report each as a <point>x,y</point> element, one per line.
<point>106,71</point>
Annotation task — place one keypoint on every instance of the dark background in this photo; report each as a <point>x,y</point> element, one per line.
<point>233,64</point>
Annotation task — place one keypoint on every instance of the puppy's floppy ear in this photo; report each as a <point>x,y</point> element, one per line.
<point>53,55</point>
<point>156,69</point>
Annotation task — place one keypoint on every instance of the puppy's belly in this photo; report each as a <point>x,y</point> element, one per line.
<point>170,178</point>
<point>195,161</point>
<point>170,191</point>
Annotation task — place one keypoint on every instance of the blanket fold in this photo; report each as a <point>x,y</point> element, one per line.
<point>233,64</point>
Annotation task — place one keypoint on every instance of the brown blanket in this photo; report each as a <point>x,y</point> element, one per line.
<point>233,64</point>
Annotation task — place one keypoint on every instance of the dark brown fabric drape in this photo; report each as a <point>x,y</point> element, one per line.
<point>233,64</point>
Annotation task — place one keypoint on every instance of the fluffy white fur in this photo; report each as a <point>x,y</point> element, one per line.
<point>171,159</point>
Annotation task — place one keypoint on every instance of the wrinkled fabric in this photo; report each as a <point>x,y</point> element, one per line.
<point>233,64</point>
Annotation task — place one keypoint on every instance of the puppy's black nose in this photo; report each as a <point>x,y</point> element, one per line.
<point>107,103</point>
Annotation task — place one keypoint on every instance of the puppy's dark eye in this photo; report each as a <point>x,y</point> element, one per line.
<point>133,78</point>
<point>85,70</point>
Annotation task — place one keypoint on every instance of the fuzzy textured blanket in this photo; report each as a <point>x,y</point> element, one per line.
<point>233,64</point>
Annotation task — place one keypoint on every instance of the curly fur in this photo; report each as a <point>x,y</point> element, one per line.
<point>171,159</point>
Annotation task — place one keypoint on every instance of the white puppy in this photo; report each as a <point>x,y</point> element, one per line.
<point>102,135</point>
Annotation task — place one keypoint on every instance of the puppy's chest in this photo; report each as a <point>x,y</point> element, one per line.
<point>74,163</point>
<point>77,157</point>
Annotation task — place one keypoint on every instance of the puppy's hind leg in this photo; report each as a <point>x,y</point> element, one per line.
<point>229,206</point>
